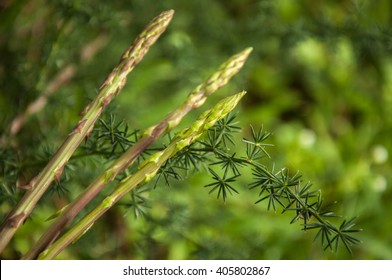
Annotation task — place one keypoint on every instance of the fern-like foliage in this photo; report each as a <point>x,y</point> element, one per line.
<point>225,159</point>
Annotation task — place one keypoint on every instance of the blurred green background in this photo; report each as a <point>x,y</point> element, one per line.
<point>319,79</point>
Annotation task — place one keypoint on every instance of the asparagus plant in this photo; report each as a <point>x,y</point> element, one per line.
<point>107,91</point>
<point>183,152</point>
<point>194,100</point>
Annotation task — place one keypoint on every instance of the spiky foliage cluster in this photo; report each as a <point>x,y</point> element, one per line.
<point>225,160</point>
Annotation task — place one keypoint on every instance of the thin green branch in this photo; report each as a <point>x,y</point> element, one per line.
<point>194,100</point>
<point>108,90</point>
<point>147,170</point>
<point>291,195</point>
<point>278,189</point>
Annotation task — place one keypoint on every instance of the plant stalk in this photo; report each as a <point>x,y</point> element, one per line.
<point>194,100</point>
<point>147,170</point>
<point>108,90</point>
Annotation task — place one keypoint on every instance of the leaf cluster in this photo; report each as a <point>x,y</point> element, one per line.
<point>225,161</point>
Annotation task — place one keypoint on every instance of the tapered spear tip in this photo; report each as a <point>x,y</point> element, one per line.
<point>166,14</point>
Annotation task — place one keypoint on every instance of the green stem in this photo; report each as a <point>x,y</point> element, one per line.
<point>108,90</point>
<point>194,100</point>
<point>146,172</point>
